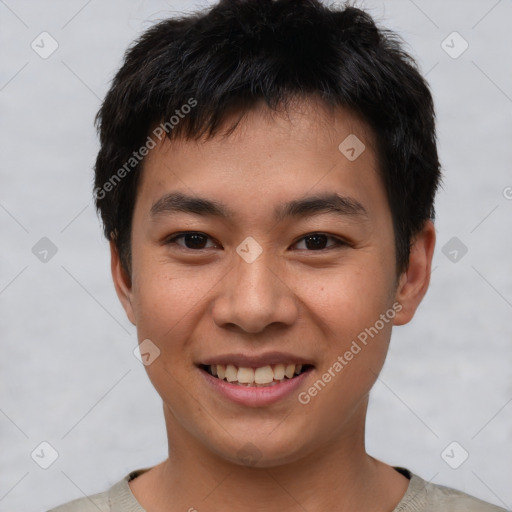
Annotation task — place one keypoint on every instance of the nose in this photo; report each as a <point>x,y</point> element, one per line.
<point>254,296</point>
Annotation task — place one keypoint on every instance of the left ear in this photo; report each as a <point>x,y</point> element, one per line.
<point>413,283</point>
<point>122,282</point>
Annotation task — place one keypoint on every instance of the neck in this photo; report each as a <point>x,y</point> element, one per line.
<point>337,476</point>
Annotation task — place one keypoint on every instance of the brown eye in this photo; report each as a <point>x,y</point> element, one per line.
<point>318,242</point>
<point>193,240</point>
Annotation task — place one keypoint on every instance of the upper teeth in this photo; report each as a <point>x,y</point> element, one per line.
<point>259,376</point>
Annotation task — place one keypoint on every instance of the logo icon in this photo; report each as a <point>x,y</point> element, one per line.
<point>44,45</point>
<point>454,455</point>
<point>146,352</point>
<point>249,249</point>
<point>454,250</point>
<point>44,455</point>
<point>44,250</point>
<point>249,455</point>
<point>454,45</point>
<point>352,147</point>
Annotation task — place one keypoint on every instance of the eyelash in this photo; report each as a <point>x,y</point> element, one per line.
<point>339,243</point>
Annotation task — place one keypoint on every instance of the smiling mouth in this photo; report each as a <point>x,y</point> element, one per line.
<point>265,376</point>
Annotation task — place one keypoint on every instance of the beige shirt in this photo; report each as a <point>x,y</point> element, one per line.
<point>421,496</point>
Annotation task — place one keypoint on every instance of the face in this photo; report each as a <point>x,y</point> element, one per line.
<point>267,250</point>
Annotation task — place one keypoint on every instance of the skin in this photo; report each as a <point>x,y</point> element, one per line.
<point>195,304</point>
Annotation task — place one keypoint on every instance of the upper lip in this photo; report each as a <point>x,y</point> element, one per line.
<point>256,361</point>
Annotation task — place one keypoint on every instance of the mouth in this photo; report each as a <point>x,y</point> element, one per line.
<point>263,376</point>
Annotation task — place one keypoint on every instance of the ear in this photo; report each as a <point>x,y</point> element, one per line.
<point>413,283</point>
<point>122,282</point>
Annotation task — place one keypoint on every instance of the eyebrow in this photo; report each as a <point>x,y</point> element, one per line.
<point>332,203</point>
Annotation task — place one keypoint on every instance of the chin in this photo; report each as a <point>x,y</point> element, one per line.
<point>263,451</point>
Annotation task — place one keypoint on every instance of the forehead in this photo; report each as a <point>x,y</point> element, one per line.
<point>270,156</point>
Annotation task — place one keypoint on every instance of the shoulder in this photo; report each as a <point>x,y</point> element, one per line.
<point>423,496</point>
<point>94,503</point>
<point>446,498</point>
<point>118,497</point>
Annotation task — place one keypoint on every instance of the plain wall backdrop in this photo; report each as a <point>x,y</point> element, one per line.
<point>68,374</point>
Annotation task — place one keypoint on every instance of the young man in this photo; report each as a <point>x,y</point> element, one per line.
<point>266,180</point>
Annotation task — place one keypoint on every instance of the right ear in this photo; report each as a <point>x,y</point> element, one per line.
<point>122,282</point>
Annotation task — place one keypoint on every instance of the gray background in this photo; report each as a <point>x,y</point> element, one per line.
<point>68,374</point>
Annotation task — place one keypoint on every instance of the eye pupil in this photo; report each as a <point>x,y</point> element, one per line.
<point>197,240</point>
<point>319,241</point>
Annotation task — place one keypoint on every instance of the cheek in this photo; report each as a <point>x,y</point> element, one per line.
<point>348,307</point>
<point>162,309</point>
<point>167,311</point>
<point>349,298</point>
<point>164,294</point>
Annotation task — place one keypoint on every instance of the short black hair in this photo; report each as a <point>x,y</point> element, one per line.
<point>186,75</point>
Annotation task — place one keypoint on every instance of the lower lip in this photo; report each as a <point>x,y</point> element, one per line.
<point>255,396</point>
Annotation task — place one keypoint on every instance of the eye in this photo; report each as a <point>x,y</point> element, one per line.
<point>197,241</point>
<point>317,241</point>
<point>193,240</point>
